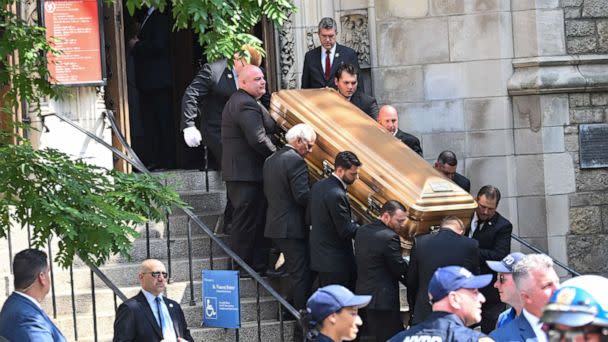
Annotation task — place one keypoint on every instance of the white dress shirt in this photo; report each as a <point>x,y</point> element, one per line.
<point>536,324</point>
<point>474,223</point>
<point>168,334</point>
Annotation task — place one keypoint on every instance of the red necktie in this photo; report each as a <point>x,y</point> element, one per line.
<point>327,64</point>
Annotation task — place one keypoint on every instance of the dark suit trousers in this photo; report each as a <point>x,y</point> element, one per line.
<point>214,148</point>
<point>345,279</point>
<point>248,219</point>
<point>383,324</point>
<point>297,265</point>
<point>159,134</point>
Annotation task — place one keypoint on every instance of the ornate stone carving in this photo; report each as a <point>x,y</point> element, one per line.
<point>356,36</point>
<point>311,42</point>
<point>287,54</point>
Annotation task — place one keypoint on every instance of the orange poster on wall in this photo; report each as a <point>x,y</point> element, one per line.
<point>73,27</point>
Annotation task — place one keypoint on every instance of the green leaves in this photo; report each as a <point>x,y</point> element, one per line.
<point>94,211</point>
<point>223,26</point>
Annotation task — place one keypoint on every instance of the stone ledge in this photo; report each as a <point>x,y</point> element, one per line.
<point>558,74</point>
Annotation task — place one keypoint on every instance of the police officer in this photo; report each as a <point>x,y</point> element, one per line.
<point>453,291</point>
<point>577,311</point>
<point>332,314</point>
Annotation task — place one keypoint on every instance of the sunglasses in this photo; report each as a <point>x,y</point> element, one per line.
<point>157,274</point>
<point>581,334</point>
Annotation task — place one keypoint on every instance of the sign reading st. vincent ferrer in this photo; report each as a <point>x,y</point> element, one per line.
<point>73,27</point>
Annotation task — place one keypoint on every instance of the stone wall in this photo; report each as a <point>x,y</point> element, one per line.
<point>588,235</point>
<point>586,26</point>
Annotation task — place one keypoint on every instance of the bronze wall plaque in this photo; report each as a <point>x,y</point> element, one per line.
<point>593,145</point>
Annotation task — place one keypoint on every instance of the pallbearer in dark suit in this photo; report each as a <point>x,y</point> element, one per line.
<point>331,245</point>
<point>380,268</point>
<point>447,246</point>
<point>494,235</point>
<point>347,78</point>
<point>287,191</point>
<point>206,96</point>
<point>389,119</point>
<point>446,163</point>
<point>246,129</point>
<point>149,316</point>
<point>321,63</point>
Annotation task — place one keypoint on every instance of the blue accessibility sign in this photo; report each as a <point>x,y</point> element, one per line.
<point>221,300</point>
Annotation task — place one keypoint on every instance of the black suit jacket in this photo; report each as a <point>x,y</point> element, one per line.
<point>246,139</point>
<point>380,265</point>
<point>312,73</point>
<point>431,251</point>
<point>462,182</point>
<point>152,53</point>
<point>331,247</point>
<point>207,94</point>
<point>409,140</point>
<point>135,321</point>
<point>366,103</point>
<point>494,244</point>
<point>287,191</point>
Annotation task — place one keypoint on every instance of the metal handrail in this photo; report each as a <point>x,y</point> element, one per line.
<point>131,157</point>
<point>538,250</point>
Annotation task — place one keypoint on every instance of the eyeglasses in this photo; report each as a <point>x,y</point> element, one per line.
<point>157,274</point>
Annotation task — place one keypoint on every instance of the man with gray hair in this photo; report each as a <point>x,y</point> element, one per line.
<point>321,63</point>
<point>536,281</point>
<point>285,179</point>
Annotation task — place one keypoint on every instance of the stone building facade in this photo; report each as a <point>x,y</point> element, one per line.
<point>504,84</point>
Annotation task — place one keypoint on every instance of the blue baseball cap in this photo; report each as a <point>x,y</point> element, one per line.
<point>506,264</point>
<point>330,299</point>
<point>452,278</point>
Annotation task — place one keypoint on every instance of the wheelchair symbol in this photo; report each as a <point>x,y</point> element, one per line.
<point>211,308</point>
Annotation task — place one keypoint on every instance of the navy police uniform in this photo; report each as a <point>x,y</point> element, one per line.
<point>440,327</point>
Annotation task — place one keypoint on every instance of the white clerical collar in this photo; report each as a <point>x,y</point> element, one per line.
<point>341,181</point>
<point>30,298</point>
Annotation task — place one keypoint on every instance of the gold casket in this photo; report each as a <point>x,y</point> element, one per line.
<point>390,169</point>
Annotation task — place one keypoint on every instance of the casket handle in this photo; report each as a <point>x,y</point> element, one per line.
<point>328,168</point>
<point>373,206</point>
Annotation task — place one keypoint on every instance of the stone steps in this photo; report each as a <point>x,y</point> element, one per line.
<point>104,297</point>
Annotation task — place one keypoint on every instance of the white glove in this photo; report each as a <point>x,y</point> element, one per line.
<point>192,136</point>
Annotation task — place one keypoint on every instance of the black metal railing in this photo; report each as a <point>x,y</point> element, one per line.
<point>74,302</point>
<point>131,157</point>
<point>538,250</point>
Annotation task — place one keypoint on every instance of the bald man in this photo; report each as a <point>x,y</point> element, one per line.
<point>389,119</point>
<point>246,131</point>
<point>149,316</point>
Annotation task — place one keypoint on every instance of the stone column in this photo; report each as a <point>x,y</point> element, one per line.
<point>555,89</point>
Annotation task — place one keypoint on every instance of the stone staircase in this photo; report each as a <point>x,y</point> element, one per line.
<point>123,273</point>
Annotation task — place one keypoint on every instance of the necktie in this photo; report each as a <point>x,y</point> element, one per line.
<point>160,313</point>
<point>327,64</point>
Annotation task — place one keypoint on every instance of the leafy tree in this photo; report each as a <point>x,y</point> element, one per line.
<point>223,26</point>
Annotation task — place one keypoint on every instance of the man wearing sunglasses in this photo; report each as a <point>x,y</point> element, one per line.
<point>536,281</point>
<point>149,316</point>
<point>506,286</point>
